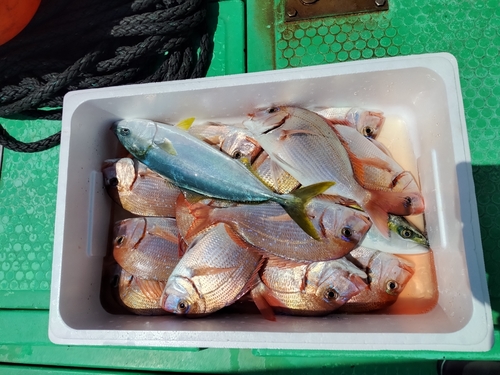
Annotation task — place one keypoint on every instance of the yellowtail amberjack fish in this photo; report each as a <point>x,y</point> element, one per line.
<point>194,165</point>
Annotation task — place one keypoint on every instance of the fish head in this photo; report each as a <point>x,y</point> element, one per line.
<point>181,297</point>
<point>345,224</point>
<point>334,283</point>
<point>400,227</point>
<point>389,274</point>
<point>240,145</point>
<point>405,204</point>
<point>211,132</point>
<point>263,121</point>
<point>126,235</point>
<point>135,135</point>
<point>119,175</point>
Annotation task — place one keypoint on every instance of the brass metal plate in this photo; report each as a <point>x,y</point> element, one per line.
<point>296,10</point>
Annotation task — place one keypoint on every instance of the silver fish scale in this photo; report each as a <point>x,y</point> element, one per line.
<point>217,266</point>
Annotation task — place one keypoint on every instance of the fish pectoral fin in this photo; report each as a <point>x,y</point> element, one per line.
<point>278,262</point>
<point>276,158</point>
<point>279,218</point>
<point>381,146</point>
<point>352,268</point>
<point>158,232</point>
<point>185,124</point>
<point>205,271</point>
<point>289,132</point>
<point>359,164</point>
<point>166,146</point>
<point>152,289</point>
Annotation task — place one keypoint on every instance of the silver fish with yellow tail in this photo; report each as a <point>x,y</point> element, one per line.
<point>196,166</point>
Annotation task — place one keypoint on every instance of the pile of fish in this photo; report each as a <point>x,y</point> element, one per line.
<point>300,210</point>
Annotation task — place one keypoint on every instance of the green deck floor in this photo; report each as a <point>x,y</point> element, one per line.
<point>469,30</point>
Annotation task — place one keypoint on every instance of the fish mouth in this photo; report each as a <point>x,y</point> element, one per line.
<point>114,127</point>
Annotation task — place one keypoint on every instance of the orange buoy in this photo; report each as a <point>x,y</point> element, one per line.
<point>14,16</point>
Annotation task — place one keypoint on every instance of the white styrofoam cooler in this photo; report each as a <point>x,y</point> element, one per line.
<point>423,90</point>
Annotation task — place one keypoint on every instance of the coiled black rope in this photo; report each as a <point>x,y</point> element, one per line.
<point>73,45</point>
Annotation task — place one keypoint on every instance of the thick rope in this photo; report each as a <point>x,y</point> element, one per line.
<point>94,43</point>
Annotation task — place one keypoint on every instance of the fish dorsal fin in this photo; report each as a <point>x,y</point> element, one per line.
<point>211,271</point>
<point>186,123</point>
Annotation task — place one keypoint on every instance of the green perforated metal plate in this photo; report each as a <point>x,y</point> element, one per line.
<point>28,187</point>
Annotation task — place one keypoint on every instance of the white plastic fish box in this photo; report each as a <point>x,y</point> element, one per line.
<point>423,91</point>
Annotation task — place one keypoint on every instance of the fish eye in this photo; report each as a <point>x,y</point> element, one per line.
<point>113,181</point>
<point>331,294</point>
<point>407,202</point>
<point>183,306</point>
<point>391,286</point>
<point>237,155</point>
<point>346,232</point>
<point>119,240</point>
<point>367,131</point>
<point>125,131</point>
<point>272,110</point>
<point>405,232</point>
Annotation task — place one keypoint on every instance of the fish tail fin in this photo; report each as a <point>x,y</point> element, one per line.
<point>296,207</point>
<point>265,309</point>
